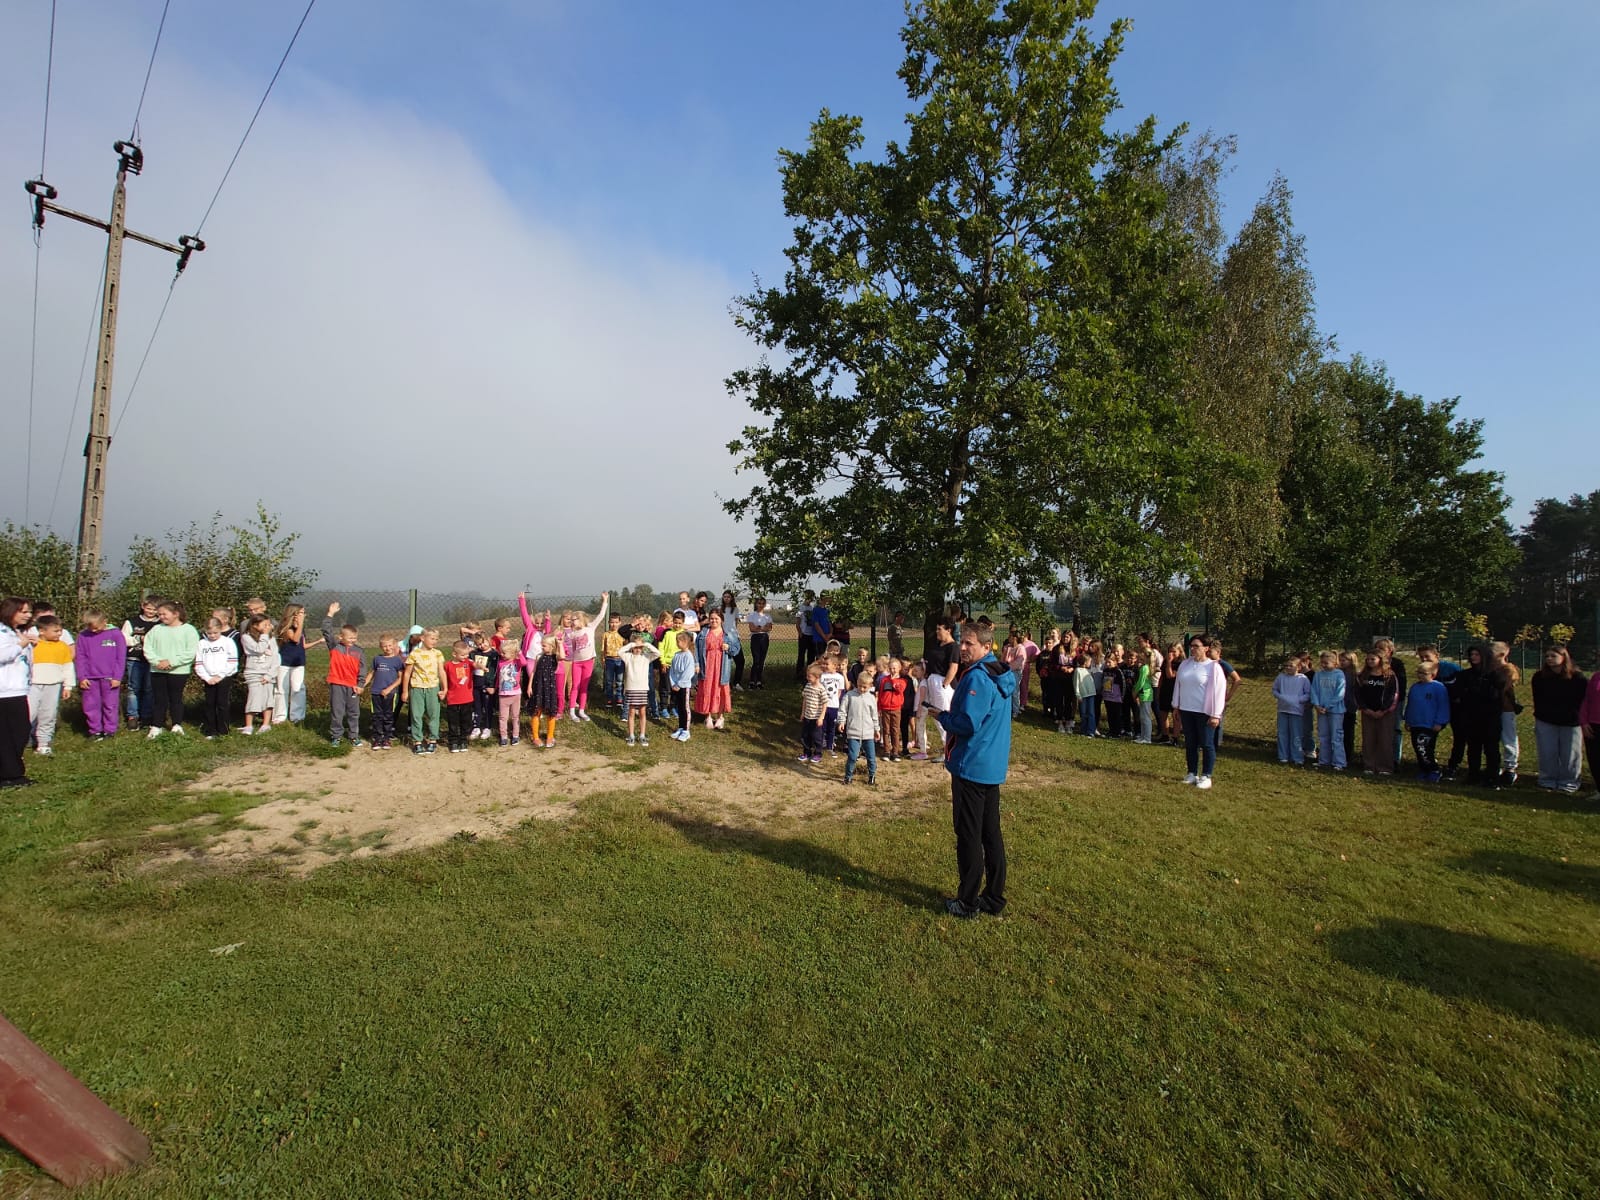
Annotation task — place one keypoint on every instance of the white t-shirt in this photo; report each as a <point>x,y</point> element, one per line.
<point>833,684</point>
<point>691,619</point>
<point>758,622</point>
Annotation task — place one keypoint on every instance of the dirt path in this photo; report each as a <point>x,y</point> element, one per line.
<point>317,811</point>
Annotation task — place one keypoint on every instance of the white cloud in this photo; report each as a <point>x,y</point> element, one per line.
<point>435,385</point>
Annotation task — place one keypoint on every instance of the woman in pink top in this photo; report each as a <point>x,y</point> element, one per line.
<point>578,641</point>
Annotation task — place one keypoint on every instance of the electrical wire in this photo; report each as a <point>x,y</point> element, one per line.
<point>49,72</point>
<point>33,339</point>
<point>137,375</point>
<point>259,107</point>
<point>133,136</point>
<point>77,397</point>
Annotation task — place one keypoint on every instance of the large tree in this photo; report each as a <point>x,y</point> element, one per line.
<point>1385,515</point>
<point>976,355</point>
<point>1557,578</point>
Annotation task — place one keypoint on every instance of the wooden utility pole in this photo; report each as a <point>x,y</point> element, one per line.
<point>91,516</point>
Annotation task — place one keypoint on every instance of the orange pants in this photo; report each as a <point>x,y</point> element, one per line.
<point>550,723</point>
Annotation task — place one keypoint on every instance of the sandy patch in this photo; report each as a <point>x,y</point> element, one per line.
<point>323,810</point>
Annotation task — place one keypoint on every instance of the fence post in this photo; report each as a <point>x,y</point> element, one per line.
<point>412,598</point>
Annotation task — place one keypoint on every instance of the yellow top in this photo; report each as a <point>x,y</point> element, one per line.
<point>425,666</point>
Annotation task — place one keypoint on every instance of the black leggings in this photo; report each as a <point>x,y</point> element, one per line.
<point>680,705</point>
<point>166,697</point>
<point>758,657</point>
<point>458,722</point>
<point>14,730</point>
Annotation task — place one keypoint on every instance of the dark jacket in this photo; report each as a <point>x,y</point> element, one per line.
<point>1556,699</point>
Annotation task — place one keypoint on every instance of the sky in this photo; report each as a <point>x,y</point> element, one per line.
<point>463,318</point>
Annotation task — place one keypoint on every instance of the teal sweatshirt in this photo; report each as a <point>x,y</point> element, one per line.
<point>174,643</point>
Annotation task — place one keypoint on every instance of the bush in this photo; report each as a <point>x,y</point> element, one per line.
<point>213,566</point>
<point>39,565</point>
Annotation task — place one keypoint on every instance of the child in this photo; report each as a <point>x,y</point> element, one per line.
<point>680,678</point>
<point>1427,712</point>
<point>502,631</point>
<point>1308,724</point>
<point>216,662</point>
<point>891,699</point>
<point>1328,699</point>
<point>1143,693</point>
<point>53,680</point>
<point>862,662</point>
<point>860,719</point>
<point>813,712</point>
<point>485,662</point>
<point>508,691</point>
<point>1377,696</point>
<point>1292,690</point>
<point>544,690</point>
<point>1084,690</point>
<point>137,691</point>
<point>419,688</point>
<point>169,649</point>
<point>1352,681</point>
<point>100,657</point>
<point>611,645</point>
<point>383,680</point>
<point>260,672</point>
<point>635,661</point>
<point>668,627</point>
<point>1111,693</point>
<point>833,686</point>
<point>458,696</point>
<point>917,699</point>
<point>346,662</point>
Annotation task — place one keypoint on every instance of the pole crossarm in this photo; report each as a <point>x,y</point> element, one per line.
<point>132,235</point>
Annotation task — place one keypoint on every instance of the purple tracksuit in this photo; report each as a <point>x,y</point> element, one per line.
<point>100,658</point>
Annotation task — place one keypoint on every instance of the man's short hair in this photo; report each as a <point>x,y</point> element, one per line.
<point>946,623</point>
<point>981,633</point>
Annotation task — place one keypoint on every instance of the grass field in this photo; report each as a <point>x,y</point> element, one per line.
<point>1291,985</point>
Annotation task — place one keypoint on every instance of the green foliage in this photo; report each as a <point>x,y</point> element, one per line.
<point>40,566</point>
<point>1558,574</point>
<point>997,312</point>
<point>208,566</point>
<point>1386,517</point>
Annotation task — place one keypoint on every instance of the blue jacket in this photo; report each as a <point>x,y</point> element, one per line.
<point>1427,705</point>
<point>979,722</point>
<point>727,654</point>
<point>1327,690</point>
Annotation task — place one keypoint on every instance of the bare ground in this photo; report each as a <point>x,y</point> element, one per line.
<point>315,811</point>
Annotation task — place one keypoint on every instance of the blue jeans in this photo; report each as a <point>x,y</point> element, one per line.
<point>613,681</point>
<point>1199,746</point>
<point>137,688</point>
<point>1291,730</point>
<point>1146,717</point>
<point>856,747</point>
<point>1088,715</point>
<point>1330,737</point>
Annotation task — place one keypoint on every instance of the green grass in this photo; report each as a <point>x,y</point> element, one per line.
<point>1292,984</point>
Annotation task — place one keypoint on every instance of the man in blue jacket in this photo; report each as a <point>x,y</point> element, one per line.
<point>977,753</point>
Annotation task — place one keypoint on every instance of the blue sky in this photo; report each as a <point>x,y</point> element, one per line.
<point>523,216</point>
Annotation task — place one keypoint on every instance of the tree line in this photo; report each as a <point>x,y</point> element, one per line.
<point>1016,354</point>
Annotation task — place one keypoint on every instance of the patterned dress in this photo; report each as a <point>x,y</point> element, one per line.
<point>546,695</point>
<point>711,695</point>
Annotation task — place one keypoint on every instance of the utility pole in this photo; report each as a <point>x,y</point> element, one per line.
<point>91,517</point>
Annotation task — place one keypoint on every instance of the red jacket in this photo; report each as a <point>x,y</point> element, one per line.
<point>891,693</point>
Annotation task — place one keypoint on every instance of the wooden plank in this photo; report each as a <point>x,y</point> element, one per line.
<point>56,1122</point>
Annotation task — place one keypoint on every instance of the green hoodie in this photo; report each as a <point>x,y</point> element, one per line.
<point>174,643</point>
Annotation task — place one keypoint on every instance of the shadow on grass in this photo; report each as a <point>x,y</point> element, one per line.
<point>800,855</point>
<point>1539,983</point>
<point>1550,874</point>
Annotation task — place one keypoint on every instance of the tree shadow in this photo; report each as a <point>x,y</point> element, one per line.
<point>1525,796</point>
<point>1550,874</point>
<point>800,855</point>
<point>1540,983</point>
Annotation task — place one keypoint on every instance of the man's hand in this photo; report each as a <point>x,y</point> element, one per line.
<point>333,609</point>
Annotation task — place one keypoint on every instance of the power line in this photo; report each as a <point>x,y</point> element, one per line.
<point>49,72</point>
<point>128,400</point>
<point>33,339</point>
<point>134,136</point>
<point>134,387</point>
<point>259,107</point>
<point>77,397</point>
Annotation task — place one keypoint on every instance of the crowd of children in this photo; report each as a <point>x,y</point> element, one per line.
<point>492,685</point>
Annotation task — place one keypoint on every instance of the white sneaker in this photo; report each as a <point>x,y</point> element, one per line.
<point>46,751</point>
<point>644,741</point>
<point>629,740</point>
<point>177,729</point>
<point>248,731</point>
<point>1191,777</point>
<point>572,715</point>
<point>155,732</point>
<point>583,715</point>
<point>1204,782</point>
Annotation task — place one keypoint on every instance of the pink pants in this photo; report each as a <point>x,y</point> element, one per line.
<point>100,706</point>
<point>510,716</point>
<point>578,684</point>
<point>563,678</point>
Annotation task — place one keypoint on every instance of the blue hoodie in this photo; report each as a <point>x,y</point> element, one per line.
<point>1427,705</point>
<point>979,722</point>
